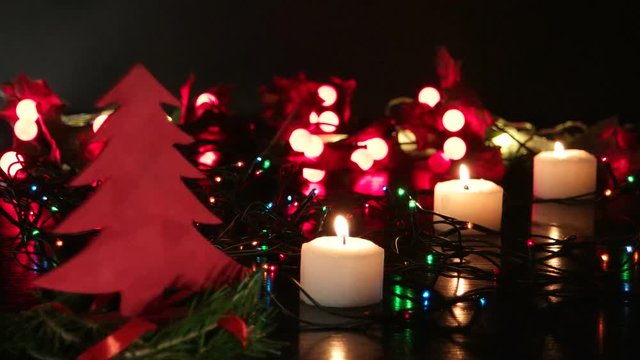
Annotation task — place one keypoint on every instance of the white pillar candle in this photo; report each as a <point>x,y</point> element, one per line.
<point>477,201</point>
<point>561,173</point>
<point>342,271</point>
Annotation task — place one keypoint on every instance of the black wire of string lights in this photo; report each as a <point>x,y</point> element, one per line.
<point>264,233</point>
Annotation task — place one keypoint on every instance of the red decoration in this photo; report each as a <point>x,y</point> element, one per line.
<point>448,68</point>
<point>237,327</point>
<point>118,341</point>
<point>147,241</point>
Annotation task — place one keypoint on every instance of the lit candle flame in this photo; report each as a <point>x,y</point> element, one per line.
<point>464,176</point>
<point>464,173</point>
<point>558,148</point>
<point>342,226</point>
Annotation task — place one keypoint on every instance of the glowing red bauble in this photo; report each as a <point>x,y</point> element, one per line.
<point>207,158</point>
<point>454,148</point>
<point>377,148</point>
<point>299,139</point>
<point>206,98</point>
<point>313,175</point>
<point>25,130</point>
<point>429,95</point>
<point>328,94</point>
<point>314,147</point>
<point>11,163</point>
<point>438,163</point>
<point>453,120</point>
<point>328,121</point>
<point>362,158</point>
<point>27,110</point>
<point>98,121</point>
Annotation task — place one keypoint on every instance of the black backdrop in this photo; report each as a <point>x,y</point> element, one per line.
<point>527,60</point>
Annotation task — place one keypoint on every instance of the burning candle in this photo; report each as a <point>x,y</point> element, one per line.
<point>561,173</point>
<point>477,201</point>
<point>342,271</point>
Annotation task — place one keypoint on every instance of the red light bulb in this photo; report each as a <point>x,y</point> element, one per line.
<point>377,148</point>
<point>429,95</point>
<point>328,94</point>
<point>27,110</point>
<point>313,175</point>
<point>314,147</point>
<point>25,130</point>
<point>328,121</point>
<point>454,148</point>
<point>299,139</point>
<point>10,163</point>
<point>206,98</point>
<point>207,158</point>
<point>362,158</point>
<point>453,120</point>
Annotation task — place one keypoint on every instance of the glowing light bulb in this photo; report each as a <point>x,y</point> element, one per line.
<point>59,243</point>
<point>299,139</point>
<point>362,158</point>
<point>25,130</point>
<point>11,163</point>
<point>313,117</point>
<point>342,226</point>
<point>453,120</point>
<point>313,175</point>
<point>206,98</point>
<point>454,148</point>
<point>207,158</point>
<point>503,140</point>
<point>328,94</point>
<point>328,121</point>
<point>407,140</point>
<point>429,95</point>
<point>377,148</point>
<point>98,121</point>
<point>27,110</point>
<point>558,149</point>
<point>314,147</point>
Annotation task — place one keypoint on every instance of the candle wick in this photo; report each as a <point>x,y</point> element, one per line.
<point>466,187</point>
<point>344,240</point>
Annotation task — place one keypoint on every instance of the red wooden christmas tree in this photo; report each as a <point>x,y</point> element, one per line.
<point>146,214</point>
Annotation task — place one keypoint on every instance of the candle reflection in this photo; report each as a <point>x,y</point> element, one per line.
<point>338,346</point>
<point>561,220</point>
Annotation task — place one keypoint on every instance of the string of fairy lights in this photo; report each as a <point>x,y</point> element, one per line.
<point>267,232</point>
<point>268,235</point>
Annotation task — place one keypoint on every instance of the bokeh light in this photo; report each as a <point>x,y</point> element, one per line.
<point>362,158</point>
<point>328,121</point>
<point>377,148</point>
<point>206,98</point>
<point>429,95</point>
<point>314,147</point>
<point>27,110</point>
<point>207,158</point>
<point>313,175</point>
<point>98,121</point>
<point>10,163</point>
<point>299,139</point>
<point>453,120</point>
<point>454,148</point>
<point>328,94</point>
<point>25,130</point>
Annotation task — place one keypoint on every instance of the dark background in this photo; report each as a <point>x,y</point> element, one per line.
<point>529,61</point>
